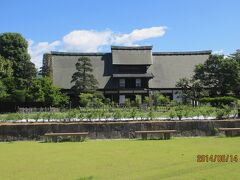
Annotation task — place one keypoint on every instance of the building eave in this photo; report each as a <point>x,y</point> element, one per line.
<point>205,52</point>
<point>78,54</point>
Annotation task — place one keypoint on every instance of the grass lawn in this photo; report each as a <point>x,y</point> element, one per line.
<point>119,159</point>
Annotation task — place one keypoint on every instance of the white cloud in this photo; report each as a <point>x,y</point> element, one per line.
<point>36,50</point>
<point>91,41</point>
<point>220,52</point>
<point>84,40</point>
<point>139,35</point>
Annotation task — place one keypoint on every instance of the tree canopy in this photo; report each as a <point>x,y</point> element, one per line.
<point>14,48</point>
<point>3,91</point>
<point>236,56</point>
<point>191,89</point>
<point>5,68</point>
<point>18,81</point>
<point>83,79</point>
<point>217,76</point>
<point>220,74</point>
<point>42,90</point>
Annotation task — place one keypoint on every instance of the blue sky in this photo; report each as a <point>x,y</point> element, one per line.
<point>93,25</point>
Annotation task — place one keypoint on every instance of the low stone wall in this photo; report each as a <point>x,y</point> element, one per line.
<point>112,130</point>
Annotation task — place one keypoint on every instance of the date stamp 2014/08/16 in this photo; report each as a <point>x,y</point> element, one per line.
<point>221,158</point>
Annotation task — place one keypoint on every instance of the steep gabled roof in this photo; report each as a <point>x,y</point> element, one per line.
<point>131,55</point>
<point>166,68</point>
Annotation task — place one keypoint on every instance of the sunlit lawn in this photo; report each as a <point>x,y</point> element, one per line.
<point>119,159</point>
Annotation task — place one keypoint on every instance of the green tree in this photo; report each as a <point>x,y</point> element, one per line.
<point>159,99</point>
<point>15,48</point>
<point>236,56</point>
<point>5,68</point>
<point>85,99</point>
<point>11,86</point>
<point>192,90</point>
<point>36,92</point>
<point>19,95</point>
<point>3,91</point>
<point>221,75</point>
<point>42,90</point>
<point>83,79</point>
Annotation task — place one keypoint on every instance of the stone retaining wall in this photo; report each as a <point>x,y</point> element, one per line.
<point>112,130</point>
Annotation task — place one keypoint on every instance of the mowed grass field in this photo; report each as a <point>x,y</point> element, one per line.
<point>119,159</point>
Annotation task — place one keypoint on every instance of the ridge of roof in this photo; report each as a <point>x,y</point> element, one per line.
<point>184,53</point>
<point>131,47</point>
<point>204,52</point>
<point>78,53</point>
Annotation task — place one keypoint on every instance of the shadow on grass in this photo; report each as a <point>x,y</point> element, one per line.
<point>62,141</point>
<point>85,178</point>
<point>151,139</point>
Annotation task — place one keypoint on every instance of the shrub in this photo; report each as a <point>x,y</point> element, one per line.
<point>117,114</point>
<point>219,101</point>
<point>107,101</point>
<point>26,116</point>
<point>71,114</point>
<point>160,99</point>
<point>186,112</point>
<point>179,112</point>
<point>95,114</point>
<point>19,95</point>
<point>37,116</point>
<point>11,116</point>
<point>173,103</point>
<point>127,102</point>
<point>227,110</point>
<point>138,100</point>
<point>172,114</point>
<point>151,114</point>
<point>133,113</point>
<point>89,116</point>
<point>205,111</point>
<point>101,114</point>
<point>48,116</point>
<point>141,114</point>
<point>146,100</point>
<point>19,116</point>
<point>80,115</point>
<point>220,113</point>
<point>85,99</point>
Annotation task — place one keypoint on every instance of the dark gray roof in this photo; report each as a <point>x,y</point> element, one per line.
<point>63,67</point>
<point>182,53</point>
<point>131,47</point>
<point>139,55</point>
<point>166,67</point>
<point>77,53</point>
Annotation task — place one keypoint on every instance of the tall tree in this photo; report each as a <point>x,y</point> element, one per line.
<point>3,91</point>
<point>236,56</point>
<point>5,68</point>
<point>43,90</point>
<point>15,48</point>
<point>83,79</point>
<point>221,75</point>
<point>192,90</point>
